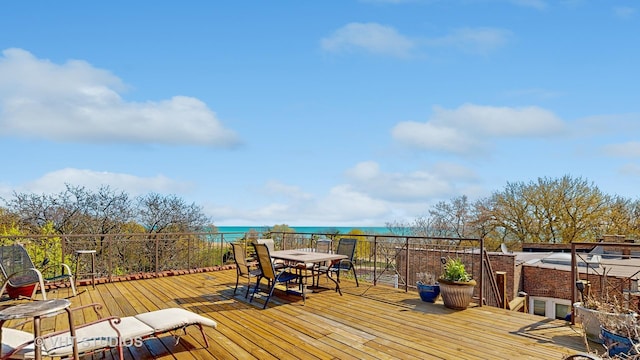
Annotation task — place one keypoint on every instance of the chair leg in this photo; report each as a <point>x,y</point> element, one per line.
<point>246,295</point>
<point>273,286</point>
<point>255,288</point>
<point>237,282</point>
<point>204,336</point>
<point>355,276</point>
<point>73,285</point>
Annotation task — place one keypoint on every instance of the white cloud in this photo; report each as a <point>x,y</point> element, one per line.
<point>628,149</point>
<point>416,186</point>
<point>54,182</point>
<point>433,136</point>
<point>369,197</point>
<point>289,191</point>
<point>370,37</point>
<point>79,103</point>
<point>470,128</point>
<point>473,40</point>
<point>630,169</point>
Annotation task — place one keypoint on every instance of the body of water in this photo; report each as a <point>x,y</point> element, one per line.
<point>241,230</point>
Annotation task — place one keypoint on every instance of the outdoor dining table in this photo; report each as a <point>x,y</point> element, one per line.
<point>308,256</point>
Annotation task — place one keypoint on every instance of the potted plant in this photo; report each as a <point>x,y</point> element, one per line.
<point>593,314</point>
<point>456,285</point>
<point>610,322</point>
<point>428,287</point>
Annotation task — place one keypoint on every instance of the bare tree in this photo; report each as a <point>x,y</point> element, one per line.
<point>158,213</point>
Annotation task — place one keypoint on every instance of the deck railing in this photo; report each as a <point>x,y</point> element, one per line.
<point>380,259</point>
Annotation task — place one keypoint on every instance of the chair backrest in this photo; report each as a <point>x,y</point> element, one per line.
<point>323,245</point>
<point>269,242</point>
<point>347,247</point>
<point>240,258</point>
<point>15,259</point>
<point>264,261</point>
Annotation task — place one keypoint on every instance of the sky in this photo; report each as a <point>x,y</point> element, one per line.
<point>318,113</point>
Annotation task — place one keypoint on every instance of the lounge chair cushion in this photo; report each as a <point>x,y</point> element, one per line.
<point>98,336</point>
<point>12,338</point>
<point>101,335</point>
<point>173,318</point>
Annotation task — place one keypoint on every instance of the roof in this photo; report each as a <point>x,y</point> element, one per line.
<point>611,263</point>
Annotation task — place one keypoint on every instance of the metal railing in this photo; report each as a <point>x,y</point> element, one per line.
<point>380,259</point>
<point>606,272</point>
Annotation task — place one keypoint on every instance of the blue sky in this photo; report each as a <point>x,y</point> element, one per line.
<point>318,113</point>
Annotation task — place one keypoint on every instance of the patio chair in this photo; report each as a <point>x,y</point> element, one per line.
<point>279,264</point>
<point>324,246</point>
<point>103,334</point>
<point>268,271</point>
<point>21,278</point>
<point>346,247</point>
<point>245,267</point>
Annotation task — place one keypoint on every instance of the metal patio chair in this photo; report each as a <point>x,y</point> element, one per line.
<point>269,272</point>
<point>245,267</point>
<point>346,247</point>
<point>20,276</point>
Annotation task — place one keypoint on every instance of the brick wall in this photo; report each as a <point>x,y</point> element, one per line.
<point>425,260</point>
<point>547,282</point>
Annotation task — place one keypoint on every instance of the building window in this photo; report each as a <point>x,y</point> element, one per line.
<point>562,310</point>
<point>550,307</point>
<point>539,307</point>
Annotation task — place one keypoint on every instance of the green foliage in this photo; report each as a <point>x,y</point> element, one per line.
<point>363,247</point>
<point>454,270</point>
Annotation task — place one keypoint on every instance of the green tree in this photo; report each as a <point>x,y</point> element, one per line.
<point>560,210</point>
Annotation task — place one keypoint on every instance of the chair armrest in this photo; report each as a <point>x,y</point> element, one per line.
<point>16,275</point>
<point>65,273</point>
<point>97,307</point>
<point>113,320</point>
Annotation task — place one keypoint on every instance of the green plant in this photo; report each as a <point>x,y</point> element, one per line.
<point>455,271</point>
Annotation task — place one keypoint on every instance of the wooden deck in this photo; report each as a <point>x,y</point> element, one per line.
<point>365,323</point>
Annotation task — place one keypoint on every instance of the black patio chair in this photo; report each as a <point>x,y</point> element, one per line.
<point>268,271</point>
<point>346,247</point>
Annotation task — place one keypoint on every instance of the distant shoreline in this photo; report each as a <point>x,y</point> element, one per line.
<point>239,231</point>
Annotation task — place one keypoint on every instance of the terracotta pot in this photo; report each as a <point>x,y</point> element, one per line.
<point>456,295</point>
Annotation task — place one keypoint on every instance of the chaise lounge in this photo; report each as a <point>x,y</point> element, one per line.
<point>103,334</point>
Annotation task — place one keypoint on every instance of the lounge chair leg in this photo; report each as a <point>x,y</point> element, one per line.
<point>204,336</point>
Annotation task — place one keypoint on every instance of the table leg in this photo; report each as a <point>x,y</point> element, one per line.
<point>335,282</point>
<point>72,333</point>
<point>37,342</point>
<point>1,325</point>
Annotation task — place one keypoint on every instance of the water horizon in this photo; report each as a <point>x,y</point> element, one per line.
<point>241,230</point>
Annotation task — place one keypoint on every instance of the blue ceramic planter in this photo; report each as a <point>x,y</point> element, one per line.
<point>428,293</point>
<point>617,344</point>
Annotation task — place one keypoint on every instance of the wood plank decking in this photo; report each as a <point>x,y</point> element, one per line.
<point>365,323</point>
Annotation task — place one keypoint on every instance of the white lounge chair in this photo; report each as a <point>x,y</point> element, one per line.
<point>106,333</point>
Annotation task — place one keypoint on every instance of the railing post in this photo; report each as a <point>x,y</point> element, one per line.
<point>155,236</point>
<point>501,280</point>
<point>481,271</point>
<point>221,249</point>
<point>189,252</point>
<point>109,241</point>
<point>574,277</point>
<point>406,271</point>
<point>375,259</point>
